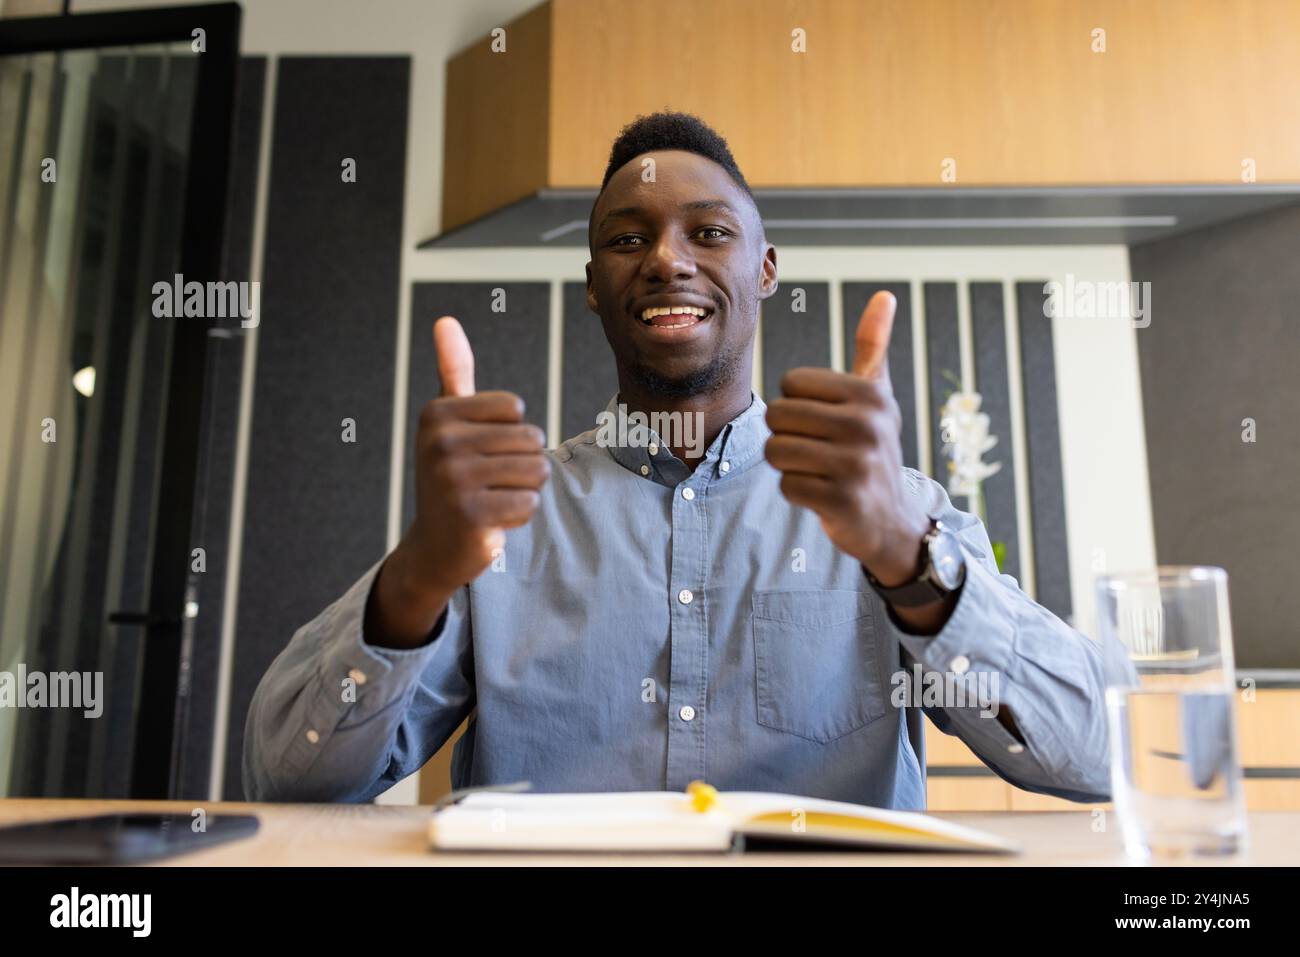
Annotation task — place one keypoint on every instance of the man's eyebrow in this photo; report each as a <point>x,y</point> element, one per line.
<point>710,204</point>
<point>616,213</point>
<point>685,207</point>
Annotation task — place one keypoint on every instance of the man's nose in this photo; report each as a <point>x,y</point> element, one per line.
<point>670,259</point>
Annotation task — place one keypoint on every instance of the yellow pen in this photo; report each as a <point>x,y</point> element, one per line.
<point>704,797</point>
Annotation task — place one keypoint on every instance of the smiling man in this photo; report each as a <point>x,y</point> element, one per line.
<point>638,615</point>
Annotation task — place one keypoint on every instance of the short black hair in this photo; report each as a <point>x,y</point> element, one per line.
<point>672,131</point>
<point>668,130</point>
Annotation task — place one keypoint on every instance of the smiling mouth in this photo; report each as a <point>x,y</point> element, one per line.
<point>674,317</point>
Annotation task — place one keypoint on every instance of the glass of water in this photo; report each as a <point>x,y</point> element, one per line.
<point>1170,690</point>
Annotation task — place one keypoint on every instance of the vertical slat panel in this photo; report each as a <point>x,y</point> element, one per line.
<point>943,363</point>
<point>989,344</point>
<point>1043,451</point>
<point>317,507</point>
<point>795,338</point>
<point>510,349</point>
<point>589,377</point>
<point>902,373</point>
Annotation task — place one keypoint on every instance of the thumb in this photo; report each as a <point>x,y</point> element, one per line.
<point>871,344</point>
<point>455,358</point>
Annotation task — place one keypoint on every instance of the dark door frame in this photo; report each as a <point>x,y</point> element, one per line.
<point>157,746</point>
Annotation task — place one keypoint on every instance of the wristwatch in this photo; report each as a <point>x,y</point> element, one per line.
<point>943,572</point>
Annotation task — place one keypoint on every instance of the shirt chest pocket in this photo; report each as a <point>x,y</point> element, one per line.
<point>817,672</point>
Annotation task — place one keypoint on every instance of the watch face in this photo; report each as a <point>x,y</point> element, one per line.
<point>947,560</point>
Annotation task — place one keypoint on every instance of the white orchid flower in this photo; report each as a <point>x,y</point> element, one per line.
<point>965,433</point>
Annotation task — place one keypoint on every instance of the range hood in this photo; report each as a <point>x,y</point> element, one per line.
<point>914,217</point>
<point>869,122</point>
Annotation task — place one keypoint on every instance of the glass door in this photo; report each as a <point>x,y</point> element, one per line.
<point>103,198</point>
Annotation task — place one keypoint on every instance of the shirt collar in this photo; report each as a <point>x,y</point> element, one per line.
<point>738,446</point>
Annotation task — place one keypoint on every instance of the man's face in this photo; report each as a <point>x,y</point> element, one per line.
<point>690,241</point>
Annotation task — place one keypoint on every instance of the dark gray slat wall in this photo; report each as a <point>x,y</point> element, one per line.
<point>792,339</point>
<point>854,297</point>
<point>1222,347</point>
<point>589,377</point>
<point>220,430</point>
<point>943,359</point>
<point>317,508</point>
<point>1043,451</point>
<point>510,349</point>
<point>989,345</point>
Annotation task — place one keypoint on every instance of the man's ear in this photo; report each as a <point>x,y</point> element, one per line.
<point>767,277</point>
<point>591,293</point>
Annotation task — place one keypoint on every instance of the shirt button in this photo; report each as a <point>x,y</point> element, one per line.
<point>687,713</point>
<point>654,450</point>
<point>357,675</point>
<point>312,736</point>
<point>1015,748</point>
<point>645,470</point>
<point>685,597</point>
<point>688,494</point>
<point>960,664</point>
<point>725,466</point>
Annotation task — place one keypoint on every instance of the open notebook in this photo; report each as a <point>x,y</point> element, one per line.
<point>673,821</point>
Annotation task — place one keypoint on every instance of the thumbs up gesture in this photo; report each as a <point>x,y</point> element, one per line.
<point>479,466</point>
<point>478,471</point>
<point>835,439</point>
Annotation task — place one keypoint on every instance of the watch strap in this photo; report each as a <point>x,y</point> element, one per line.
<point>921,590</point>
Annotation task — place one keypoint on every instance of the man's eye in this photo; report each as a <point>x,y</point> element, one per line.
<point>625,240</point>
<point>712,232</point>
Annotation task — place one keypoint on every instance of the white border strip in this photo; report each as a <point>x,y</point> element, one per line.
<point>407,790</point>
<point>401,396</point>
<point>239,492</point>
<point>965,336</point>
<point>555,365</point>
<point>1019,444</point>
<point>836,311</point>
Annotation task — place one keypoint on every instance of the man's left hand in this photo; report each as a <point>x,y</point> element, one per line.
<point>836,442</point>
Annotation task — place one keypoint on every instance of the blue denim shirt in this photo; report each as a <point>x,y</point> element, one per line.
<point>653,625</point>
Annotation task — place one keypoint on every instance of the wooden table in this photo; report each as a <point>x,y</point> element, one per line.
<point>373,834</point>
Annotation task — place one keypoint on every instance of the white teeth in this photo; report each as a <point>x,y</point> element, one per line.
<point>649,314</point>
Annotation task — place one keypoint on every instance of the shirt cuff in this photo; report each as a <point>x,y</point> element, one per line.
<point>976,650</point>
<point>354,679</point>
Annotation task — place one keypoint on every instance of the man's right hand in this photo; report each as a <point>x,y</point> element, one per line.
<point>478,470</point>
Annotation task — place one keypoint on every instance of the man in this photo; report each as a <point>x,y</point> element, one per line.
<point>635,615</point>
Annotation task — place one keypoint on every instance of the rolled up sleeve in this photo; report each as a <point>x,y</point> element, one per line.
<point>337,719</point>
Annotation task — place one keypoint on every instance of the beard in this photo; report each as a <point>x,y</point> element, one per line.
<point>719,371</point>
